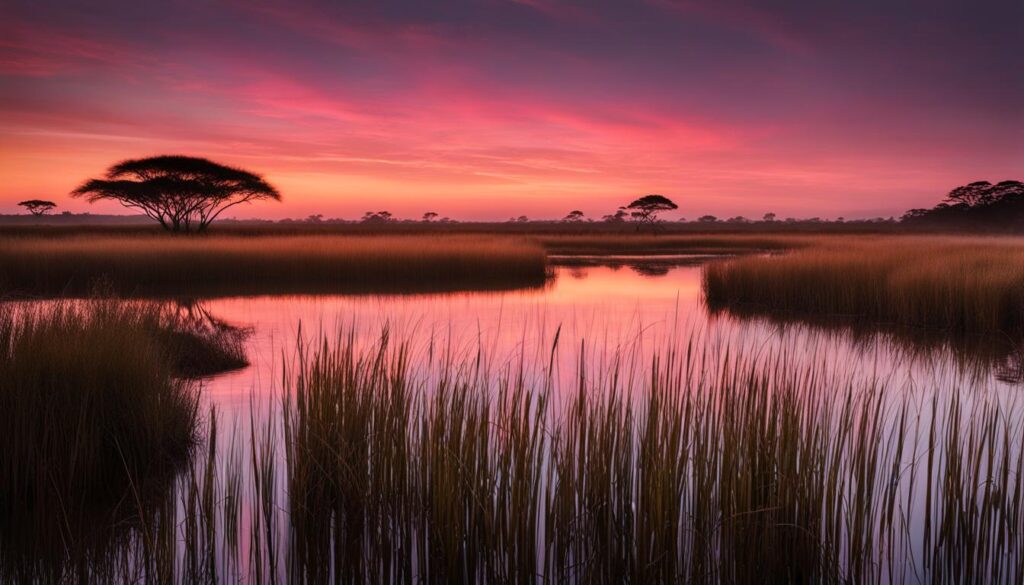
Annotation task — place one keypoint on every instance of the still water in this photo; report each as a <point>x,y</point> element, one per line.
<point>629,309</point>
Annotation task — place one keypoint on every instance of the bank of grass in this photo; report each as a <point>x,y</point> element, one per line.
<point>93,420</point>
<point>957,284</point>
<point>645,243</point>
<point>165,265</point>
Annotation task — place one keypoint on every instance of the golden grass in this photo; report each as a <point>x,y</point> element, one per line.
<point>958,284</point>
<point>149,264</point>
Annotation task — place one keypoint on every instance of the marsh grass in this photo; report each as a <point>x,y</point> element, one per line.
<point>94,424</point>
<point>957,285</point>
<point>163,265</point>
<point>715,465</point>
<point>726,467</point>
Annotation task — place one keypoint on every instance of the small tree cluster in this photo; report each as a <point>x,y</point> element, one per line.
<point>377,217</point>
<point>977,204</point>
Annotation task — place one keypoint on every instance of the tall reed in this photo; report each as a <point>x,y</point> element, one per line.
<point>727,467</point>
<point>718,465</point>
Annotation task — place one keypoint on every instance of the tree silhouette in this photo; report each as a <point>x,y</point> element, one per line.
<point>769,217</point>
<point>183,193</point>
<point>979,205</point>
<point>646,208</point>
<point>38,207</point>
<point>429,216</point>
<point>971,194</point>
<point>377,217</point>
<point>574,216</point>
<point>618,217</point>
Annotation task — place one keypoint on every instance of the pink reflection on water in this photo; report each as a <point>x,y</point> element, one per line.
<point>604,312</point>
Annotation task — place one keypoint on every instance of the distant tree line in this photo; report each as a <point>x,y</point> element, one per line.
<point>977,205</point>
<point>185,194</point>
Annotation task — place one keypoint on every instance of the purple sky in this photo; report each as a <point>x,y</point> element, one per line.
<point>482,110</point>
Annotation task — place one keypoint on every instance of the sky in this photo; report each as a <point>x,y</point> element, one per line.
<point>495,108</point>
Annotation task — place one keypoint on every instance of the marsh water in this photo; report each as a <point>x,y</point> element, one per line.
<point>626,308</point>
<point>611,313</point>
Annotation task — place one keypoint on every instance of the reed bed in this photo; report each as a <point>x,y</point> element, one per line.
<point>93,422</point>
<point>725,467</point>
<point>715,465</point>
<point>959,285</point>
<point>165,265</point>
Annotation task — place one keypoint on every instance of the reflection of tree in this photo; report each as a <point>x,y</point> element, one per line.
<point>203,344</point>
<point>578,272</point>
<point>650,269</point>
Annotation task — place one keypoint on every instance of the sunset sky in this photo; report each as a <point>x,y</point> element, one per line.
<point>493,108</point>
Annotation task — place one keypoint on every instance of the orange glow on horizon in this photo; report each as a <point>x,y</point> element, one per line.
<point>544,110</point>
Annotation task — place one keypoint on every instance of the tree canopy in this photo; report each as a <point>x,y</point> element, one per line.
<point>646,208</point>
<point>183,193</point>
<point>980,204</point>
<point>574,216</point>
<point>38,207</point>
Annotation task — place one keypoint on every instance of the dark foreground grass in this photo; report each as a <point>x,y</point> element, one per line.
<point>959,285</point>
<point>719,466</point>
<point>165,265</point>
<point>726,468</point>
<point>93,423</point>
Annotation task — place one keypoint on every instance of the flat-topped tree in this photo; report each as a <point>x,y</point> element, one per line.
<point>38,207</point>
<point>646,208</point>
<point>183,193</point>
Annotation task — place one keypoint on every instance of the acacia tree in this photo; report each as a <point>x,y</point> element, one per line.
<point>377,217</point>
<point>618,217</point>
<point>38,207</point>
<point>646,208</point>
<point>429,216</point>
<point>183,193</point>
<point>574,216</point>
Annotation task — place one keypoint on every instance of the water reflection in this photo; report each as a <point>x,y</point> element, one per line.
<point>610,310</point>
<point>979,356</point>
<point>650,266</point>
